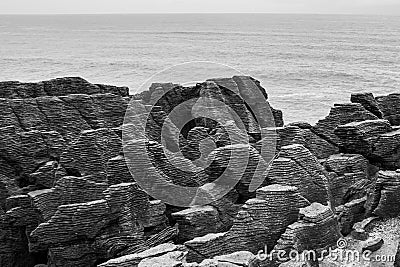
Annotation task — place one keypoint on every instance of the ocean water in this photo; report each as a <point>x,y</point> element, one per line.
<point>306,62</point>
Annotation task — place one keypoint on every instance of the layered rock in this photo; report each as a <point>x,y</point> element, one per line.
<point>197,221</point>
<point>135,259</point>
<point>384,198</point>
<point>91,230</point>
<point>90,153</point>
<point>242,94</point>
<point>341,114</point>
<point>238,164</point>
<point>317,229</point>
<point>56,87</point>
<point>386,153</point>
<point>390,107</point>
<point>259,223</point>
<point>349,173</point>
<point>296,166</point>
<point>350,213</point>
<point>68,198</point>
<point>368,101</point>
<point>374,139</point>
<point>360,137</point>
<point>303,134</point>
<point>23,152</point>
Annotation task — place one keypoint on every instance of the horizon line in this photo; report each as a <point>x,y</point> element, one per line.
<point>198,13</point>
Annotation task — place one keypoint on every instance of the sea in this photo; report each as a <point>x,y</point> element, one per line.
<point>305,62</point>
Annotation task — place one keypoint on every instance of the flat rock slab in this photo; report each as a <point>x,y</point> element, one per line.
<point>372,244</point>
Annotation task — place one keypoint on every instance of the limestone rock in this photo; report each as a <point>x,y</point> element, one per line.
<point>89,154</point>
<point>73,255</point>
<point>135,259</point>
<point>240,258</point>
<point>384,198</point>
<point>45,175</point>
<point>389,105</point>
<point>349,173</point>
<point>171,259</point>
<point>72,222</point>
<point>7,189</point>
<point>240,164</point>
<point>302,134</point>
<point>341,114</point>
<point>259,223</point>
<point>368,101</point>
<point>372,244</point>
<point>197,221</point>
<point>24,152</point>
<point>155,214</point>
<point>317,229</point>
<point>360,137</point>
<point>62,117</point>
<point>56,87</point>
<point>350,213</point>
<point>117,171</point>
<point>386,150</point>
<point>296,166</point>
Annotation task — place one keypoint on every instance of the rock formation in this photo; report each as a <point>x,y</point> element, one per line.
<point>78,162</point>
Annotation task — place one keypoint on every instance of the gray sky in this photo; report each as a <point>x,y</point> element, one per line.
<point>199,6</point>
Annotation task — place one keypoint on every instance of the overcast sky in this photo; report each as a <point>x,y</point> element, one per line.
<point>199,6</point>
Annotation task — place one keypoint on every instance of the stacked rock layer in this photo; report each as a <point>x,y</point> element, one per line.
<point>73,156</point>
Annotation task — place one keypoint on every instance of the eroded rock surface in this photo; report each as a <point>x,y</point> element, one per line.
<point>72,167</point>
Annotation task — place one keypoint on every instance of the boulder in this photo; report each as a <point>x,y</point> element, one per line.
<point>361,137</point>
<point>296,166</point>
<point>349,177</point>
<point>135,259</point>
<point>258,224</point>
<point>367,100</point>
<point>197,221</point>
<point>341,114</point>
<point>316,229</point>
<point>389,105</point>
<point>384,197</point>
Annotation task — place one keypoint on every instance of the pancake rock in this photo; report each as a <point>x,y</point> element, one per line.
<point>56,87</point>
<point>45,175</point>
<point>296,166</point>
<point>368,101</point>
<point>197,221</point>
<point>303,134</point>
<point>386,153</point>
<point>341,114</point>
<point>67,190</point>
<point>117,171</point>
<point>90,230</point>
<point>134,259</point>
<point>70,194</point>
<point>360,137</point>
<point>23,152</point>
<point>374,139</point>
<point>89,154</point>
<point>259,223</point>
<point>350,213</point>
<point>384,197</point>
<point>349,172</point>
<point>7,189</point>
<point>238,164</point>
<point>316,229</point>
<point>390,107</point>
<point>232,93</point>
